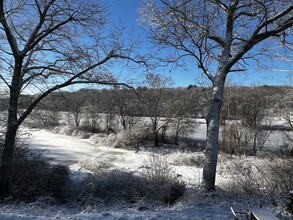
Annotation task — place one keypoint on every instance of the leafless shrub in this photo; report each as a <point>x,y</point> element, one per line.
<point>164,185</point>
<point>131,139</point>
<point>95,165</point>
<point>72,131</point>
<point>85,194</point>
<point>58,182</point>
<point>157,169</point>
<point>235,139</point>
<point>278,175</point>
<point>119,186</point>
<point>270,176</point>
<point>154,186</point>
<point>238,140</point>
<point>188,159</point>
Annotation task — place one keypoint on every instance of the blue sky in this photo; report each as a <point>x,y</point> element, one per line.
<point>125,12</point>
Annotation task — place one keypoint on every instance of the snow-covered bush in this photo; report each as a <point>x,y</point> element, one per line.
<point>157,169</point>
<point>164,185</point>
<point>278,175</point>
<point>155,185</point>
<point>130,139</point>
<point>95,165</point>
<point>120,186</point>
<point>72,131</point>
<point>116,185</point>
<point>260,177</point>
<point>187,159</point>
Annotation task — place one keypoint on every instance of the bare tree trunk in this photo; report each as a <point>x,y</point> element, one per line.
<point>7,156</point>
<point>155,134</point>
<point>177,131</point>
<point>10,136</point>
<point>212,138</point>
<point>164,130</point>
<point>156,138</point>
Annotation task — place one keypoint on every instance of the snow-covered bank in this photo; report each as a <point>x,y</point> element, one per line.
<point>186,166</point>
<point>22,213</point>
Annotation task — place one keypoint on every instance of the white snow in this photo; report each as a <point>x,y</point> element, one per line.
<point>72,151</point>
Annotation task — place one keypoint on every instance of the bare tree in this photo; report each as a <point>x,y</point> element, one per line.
<point>155,102</point>
<point>221,36</point>
<point>75,103</point>
<point>47,45</point>
<point>121,101</point>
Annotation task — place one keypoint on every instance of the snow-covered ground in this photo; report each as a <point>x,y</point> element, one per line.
<point>72,151</point>
<point>35,212</point>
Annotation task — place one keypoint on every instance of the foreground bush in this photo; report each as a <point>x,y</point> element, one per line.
<point>261,177</point>
<point>124,187</point>
<point>155,185</point>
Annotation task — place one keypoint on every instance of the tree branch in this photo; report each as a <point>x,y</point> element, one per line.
<point>10,37</point>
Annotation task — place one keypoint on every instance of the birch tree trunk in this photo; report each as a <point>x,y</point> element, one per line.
<point>212,137</point>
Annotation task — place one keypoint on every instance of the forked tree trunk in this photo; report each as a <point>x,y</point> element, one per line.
<point>212,138</point>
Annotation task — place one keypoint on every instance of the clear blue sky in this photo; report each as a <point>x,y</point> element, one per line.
<point>125,12</point>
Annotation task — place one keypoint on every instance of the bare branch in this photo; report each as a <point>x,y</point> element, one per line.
<point>1,77</point>
<point>10,37</point>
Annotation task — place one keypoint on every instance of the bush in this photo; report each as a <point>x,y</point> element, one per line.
<point>163,184</point>
<point>95,165</point>
<point>131,139</point>
<point>188,159</point>
<point>235,139</point>
<point>278,175</point>
<point>72,131</point>
<point>273,176</point>
<point>157,170</point>
<point>58,180</point>
<point>120,186</point>
<point>156,185</point>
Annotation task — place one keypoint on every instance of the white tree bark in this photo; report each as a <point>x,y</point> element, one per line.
<point>212,137</point>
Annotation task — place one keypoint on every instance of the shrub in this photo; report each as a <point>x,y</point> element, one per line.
<point>157,169</point>
<point>120,186</point>
<point>278,175</point>
<point>264,177</point>
<point>188,159</point>
<point>163,185</point>
<point>95,165</point>
<point>235,139</point>
<point>58,181</point>
<point>131,139</point>
<point>156,185</point>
